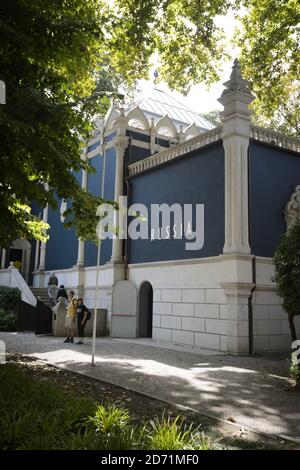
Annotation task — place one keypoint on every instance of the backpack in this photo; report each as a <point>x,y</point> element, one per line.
<point>89,315</point>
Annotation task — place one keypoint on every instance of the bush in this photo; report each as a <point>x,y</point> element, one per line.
<point>9,298</point>
<point>174,434</point>
<point>41,416</point>
<point>8,321</point>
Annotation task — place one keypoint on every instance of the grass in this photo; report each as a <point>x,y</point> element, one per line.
<point>37,415</point>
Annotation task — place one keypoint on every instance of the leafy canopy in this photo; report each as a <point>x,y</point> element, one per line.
<point>63,61</point>
<point>287,270</point>
<point>270,44</point>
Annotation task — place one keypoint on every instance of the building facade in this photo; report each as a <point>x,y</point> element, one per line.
<point>244,178</point>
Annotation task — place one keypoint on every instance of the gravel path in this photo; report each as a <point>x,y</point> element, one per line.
<point>252,392</point>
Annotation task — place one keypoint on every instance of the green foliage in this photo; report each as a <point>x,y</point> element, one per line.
<point>9,298</point>
<point>295,372</point>
<point>174,434</point>
<point>286,261</point>
<point>113,425</point>
<point>50,61</point>
<point>8,320</point>
<point>214,117</point>
<point>183,33</point>
<point>39,415</point>
<point>269,42</point>
<point>63,62</point>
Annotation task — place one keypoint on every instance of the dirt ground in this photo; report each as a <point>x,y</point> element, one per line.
<point>226,435</point>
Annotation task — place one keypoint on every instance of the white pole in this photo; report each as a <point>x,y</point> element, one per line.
<point>98,267</point>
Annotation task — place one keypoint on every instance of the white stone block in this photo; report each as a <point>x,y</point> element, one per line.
<point>156,321</point>
<point>183,337</point>
<point>170,321</point>
<point>266,298</point>
<point>276,312</point>
<point>229,312</point>
<point>193,324</point>
<point>238,328</point>
<point>260,343</point>
<point>216,326</point>
<point>162,308</point>
<point>162,334</point>
<point>215,296</point>
<point>223,343</point>
<point>238,344</point>
<point>156,295</point>
<point>207,310</point>
<point>208,341</point>
<point>183,309</point>
<point>171,295</point>
<point>260,312</point>
<point>280,342</point>
<point>285,329</point>
<point>193,295</point>
<point>268,327</point>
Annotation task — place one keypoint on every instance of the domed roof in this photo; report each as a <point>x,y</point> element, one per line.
<point>157,103</point>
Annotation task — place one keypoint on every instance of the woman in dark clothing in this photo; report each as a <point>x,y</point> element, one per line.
<point>62,293</point>
<point>82,316</point>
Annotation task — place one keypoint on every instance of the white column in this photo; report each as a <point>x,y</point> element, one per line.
<point>81,243</point>
<point>37,255</point>
<point>236,260</point>
<point>43,244</point>
<point>3,258</point>
<point>236,133</point>
<point>121,143</point>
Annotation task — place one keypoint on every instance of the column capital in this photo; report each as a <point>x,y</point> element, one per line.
<point>120,143</point>
<point>237,95</point>
<point>237,289</point>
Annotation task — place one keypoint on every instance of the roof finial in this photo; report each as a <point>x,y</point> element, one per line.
<point>236,85</point>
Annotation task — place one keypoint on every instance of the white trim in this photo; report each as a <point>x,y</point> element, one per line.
<point>175,152</point>
<point>271,137</point>
<point>211,259</point>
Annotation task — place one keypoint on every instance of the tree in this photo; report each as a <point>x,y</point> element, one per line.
<point>49,61</point>
<point>269,40</point>
<point>58,60</point>
<point>287,274</point>
<point>287,278</point>
<point>214,117</point>
<point>63,60</point>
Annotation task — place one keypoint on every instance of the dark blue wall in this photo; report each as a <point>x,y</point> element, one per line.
<point>274,174</point>
<point>62,246</point>
<point>197,178</point>
<point>94,187</point>
<point>61,251</point>
<point>133,154</point>
<point>138,136</point>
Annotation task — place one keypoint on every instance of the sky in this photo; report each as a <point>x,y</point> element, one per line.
<point>200,99</point>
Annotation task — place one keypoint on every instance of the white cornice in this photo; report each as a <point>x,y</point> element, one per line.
<point>272,137</point>
<point>175,152</point>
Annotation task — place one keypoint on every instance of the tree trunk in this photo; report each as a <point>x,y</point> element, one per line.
<point>292,327</point>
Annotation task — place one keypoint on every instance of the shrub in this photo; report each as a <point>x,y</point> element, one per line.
<point>9,298</point>
<point>8,321</point>
<point>41,416</point>
<point>174,434</point>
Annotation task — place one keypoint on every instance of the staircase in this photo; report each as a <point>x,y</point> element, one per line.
<point>41,293</point>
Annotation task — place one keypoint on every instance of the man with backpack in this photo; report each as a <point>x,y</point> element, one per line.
<point>70,317</point>
<point>83,315</point>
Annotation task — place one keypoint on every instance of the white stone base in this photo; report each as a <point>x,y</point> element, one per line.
<point>190,306</point>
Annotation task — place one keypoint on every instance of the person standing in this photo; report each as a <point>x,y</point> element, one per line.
<point>82,317</point>
<point>70,317</point>
<point>62,293</point>
<point>52,287</point>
